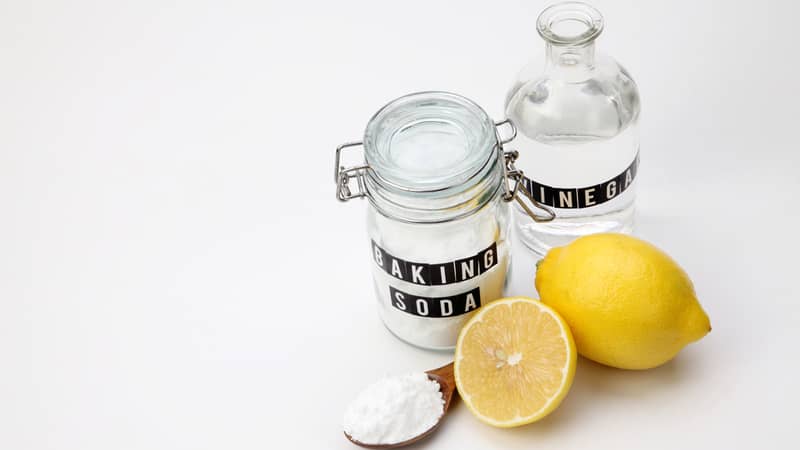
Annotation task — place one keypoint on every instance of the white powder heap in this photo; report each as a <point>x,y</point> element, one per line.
<point>394,409</point>
<point>443,243</point>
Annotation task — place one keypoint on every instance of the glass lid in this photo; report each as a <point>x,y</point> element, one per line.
<point>429,141</point>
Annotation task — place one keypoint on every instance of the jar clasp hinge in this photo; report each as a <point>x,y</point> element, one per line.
<point>344,175</point>
<point>511,173</point>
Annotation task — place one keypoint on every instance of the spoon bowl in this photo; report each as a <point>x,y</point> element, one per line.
<point>447,386</point>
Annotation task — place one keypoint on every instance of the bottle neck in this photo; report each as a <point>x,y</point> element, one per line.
<point>569,30</point>
<point>575,62</point>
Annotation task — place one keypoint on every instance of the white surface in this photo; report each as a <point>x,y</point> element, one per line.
<point>176,274</point>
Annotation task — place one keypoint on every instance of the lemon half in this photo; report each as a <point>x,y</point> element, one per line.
<point>515,361</point>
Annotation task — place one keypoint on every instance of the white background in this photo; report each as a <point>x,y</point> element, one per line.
<point>176,274</point>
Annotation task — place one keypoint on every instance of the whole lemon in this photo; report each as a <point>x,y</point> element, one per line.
<point>629,305</point>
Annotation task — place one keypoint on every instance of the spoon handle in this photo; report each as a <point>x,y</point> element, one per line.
<point>445,372</point>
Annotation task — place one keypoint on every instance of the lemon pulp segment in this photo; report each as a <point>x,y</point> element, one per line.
<point>515,360</point>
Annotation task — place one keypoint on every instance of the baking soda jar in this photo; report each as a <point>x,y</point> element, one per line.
<point>437,180</point>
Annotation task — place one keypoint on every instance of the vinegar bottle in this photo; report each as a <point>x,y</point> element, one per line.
<point>576,114</point>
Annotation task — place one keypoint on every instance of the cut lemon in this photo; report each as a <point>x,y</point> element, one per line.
<point>514,363</point>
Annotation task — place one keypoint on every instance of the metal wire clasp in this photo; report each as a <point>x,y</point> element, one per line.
<point>511,173</point>
<point>503,141</point>
<point>343,175</point>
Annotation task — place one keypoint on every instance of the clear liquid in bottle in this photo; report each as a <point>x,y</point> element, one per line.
<point>576,116</point>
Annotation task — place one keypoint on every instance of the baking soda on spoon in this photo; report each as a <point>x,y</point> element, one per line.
<point>394,409</point>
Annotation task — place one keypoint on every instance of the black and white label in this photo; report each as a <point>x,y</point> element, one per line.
<point>585,197</point>
<point>425,274</point>
<point>437,307</point>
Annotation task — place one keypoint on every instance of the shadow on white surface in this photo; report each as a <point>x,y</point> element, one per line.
<point>597,389</point>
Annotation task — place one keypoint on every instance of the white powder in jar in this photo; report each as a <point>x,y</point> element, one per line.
<point>438,244</point>
<point>394,409</point>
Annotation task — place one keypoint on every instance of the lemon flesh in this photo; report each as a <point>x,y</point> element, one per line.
<point>628,304</point>
<point>514,362</point>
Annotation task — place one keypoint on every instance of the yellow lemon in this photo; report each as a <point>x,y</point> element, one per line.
<point>628,304</point>
<point>514,362</point>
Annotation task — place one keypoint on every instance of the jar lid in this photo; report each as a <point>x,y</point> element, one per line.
<point>433,157</point>
<point>429,141</point>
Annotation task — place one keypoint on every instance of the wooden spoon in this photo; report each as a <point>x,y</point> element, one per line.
<point>447,386</point>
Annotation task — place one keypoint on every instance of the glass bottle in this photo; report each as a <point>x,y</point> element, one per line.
<point>576,116</point>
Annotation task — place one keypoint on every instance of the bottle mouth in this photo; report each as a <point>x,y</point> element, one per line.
<point>570,23</point>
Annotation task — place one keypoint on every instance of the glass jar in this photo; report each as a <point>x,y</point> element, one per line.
<point>577,114</point>
<point>435,174</point>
